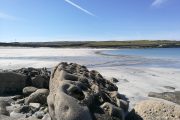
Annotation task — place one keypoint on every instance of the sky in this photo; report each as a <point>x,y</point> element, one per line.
<point>85,20</point>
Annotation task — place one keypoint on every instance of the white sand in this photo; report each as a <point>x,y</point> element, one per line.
<point>135,81</point>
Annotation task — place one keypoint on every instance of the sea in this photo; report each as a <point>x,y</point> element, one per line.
<point>157,57</point>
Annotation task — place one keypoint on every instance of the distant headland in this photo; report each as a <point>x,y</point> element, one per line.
<point>99,44</point>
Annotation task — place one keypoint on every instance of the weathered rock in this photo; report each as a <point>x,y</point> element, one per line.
<point>46,117</point>
<point>170,96</point>
<point>169,87</point>
<point>79,94</point>
<point>10,108</point>
<point>157,110</point>
<point>112,110</point>
<point>39,114</point>
<point>132,115</point>
<point>123,104</point>
<point>16,97</point>
<point>4,117</point>
<point>9,82</point>
<point>114,80</point>
<point>40,82</point>
<point>20,101</point>
<point>28,90</point>
<point>35,105</point>
<point>66,107</point>
<point>39,96</point>
<point>3,110</point>
<point>22,109</point>
<point>37,77</point>
<point>17,115</point>
<point>29,118</point>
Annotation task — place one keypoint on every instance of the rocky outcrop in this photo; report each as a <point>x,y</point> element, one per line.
<point>37,77</point>
<point>79,94</point>
<point>156,110</point>
<point>11,83</point>
<point>29,89</point>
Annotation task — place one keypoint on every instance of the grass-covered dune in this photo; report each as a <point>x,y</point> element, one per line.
<point>100,44</point>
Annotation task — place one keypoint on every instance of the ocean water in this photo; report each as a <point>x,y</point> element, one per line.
<point>159,57</point>
<point>166,53</point>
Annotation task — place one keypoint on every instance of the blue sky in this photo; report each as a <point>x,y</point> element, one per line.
<point>62,20</point>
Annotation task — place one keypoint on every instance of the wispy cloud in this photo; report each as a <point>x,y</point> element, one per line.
<point>79,7</point>
<point>7,16</point>
<point>158,2</point>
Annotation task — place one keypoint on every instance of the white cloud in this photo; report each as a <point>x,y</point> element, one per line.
<point>6,16</point>
<point>158,2</point>
<point>79,7</point>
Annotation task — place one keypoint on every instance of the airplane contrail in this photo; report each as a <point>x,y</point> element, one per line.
<point>158,2</point>
<point>79,7</point>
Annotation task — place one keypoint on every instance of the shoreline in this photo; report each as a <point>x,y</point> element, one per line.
<point>132,76</point>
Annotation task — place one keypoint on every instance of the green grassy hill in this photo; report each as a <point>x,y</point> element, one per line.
<point>100,44</point>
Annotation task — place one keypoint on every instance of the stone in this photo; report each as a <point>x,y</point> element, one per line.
<point>3,110</point>
<point>112,110</point>
<point>16,97</point>
<point>157,110</point>
<point>17,115</point>
<point>28,90</point>
<point>20,101</point>
<point>39,96</point>
<point>4,117</point>
<point>46,117</point>
<point>45,110</point>
<point>22,109</point>
<point>78,94</point>
<point>169,87</point>
<point>40,82</point>
<point>39,114</point>
<point>37,77</point>
<point>170,96</point>
<point>114,80</point>
<point>9,82</point>
<point>10,108</point>
<point>63,106</point>
<point>29,118</point>
<point>35,105</point>
<point>123,104</point>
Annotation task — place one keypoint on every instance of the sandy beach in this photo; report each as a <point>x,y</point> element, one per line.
<point>136,79</point>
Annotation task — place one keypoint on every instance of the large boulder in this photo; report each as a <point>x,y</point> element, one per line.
<point>79,94</point>
<point>156,110</point>
<point>11,82</point>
